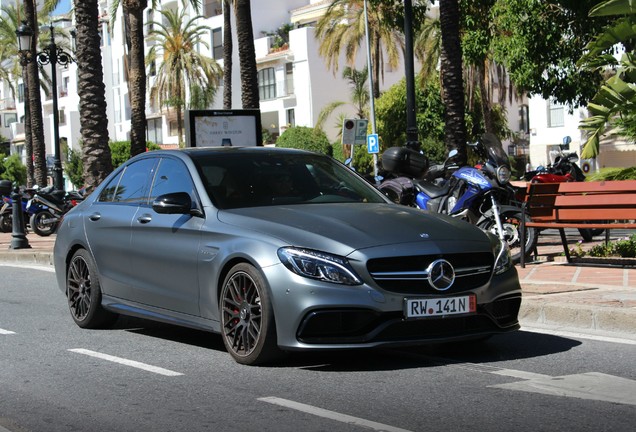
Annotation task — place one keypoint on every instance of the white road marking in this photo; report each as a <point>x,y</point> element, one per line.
<point>577,335</point>
<point>591,385</point>
<point>6,332</point>
<point>43,267</point>
<point>332,415</point>
<point>132,363</point>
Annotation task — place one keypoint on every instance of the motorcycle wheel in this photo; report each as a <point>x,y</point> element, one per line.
<point>6,223</point>
<point>512,229</point>
<point>41,228</point>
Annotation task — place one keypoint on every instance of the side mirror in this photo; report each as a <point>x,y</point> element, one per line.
<point>173,203</point>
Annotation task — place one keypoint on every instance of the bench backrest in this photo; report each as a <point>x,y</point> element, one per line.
<point>582,201</point>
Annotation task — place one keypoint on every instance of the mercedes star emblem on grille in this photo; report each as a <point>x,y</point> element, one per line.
<point>441,274</point>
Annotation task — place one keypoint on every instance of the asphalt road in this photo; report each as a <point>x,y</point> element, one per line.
<point>144,376</point>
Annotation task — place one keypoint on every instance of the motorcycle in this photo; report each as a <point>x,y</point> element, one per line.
<point>47,206</point>
<point>479,195</point>
<point>564,169</point>
<point>6,214</point>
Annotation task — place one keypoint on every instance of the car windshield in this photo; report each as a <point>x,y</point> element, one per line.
<point>250,179</point>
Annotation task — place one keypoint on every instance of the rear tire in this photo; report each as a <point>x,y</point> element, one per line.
<point>84,294</point>
<point>247,317</point>
<point>39,227</point>
<point>6,223</point>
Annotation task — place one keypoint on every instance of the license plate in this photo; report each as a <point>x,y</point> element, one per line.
<point>439,306</point>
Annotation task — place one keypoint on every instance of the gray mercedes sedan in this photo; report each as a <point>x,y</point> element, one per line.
<point>278,250</point>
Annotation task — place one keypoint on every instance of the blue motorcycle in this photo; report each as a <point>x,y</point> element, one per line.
<point>481,195</point>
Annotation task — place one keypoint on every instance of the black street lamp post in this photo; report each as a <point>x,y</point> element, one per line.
<point>54,56</point>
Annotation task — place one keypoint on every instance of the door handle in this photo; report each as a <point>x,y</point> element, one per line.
<point>144,219</point>
<point>95,217</point>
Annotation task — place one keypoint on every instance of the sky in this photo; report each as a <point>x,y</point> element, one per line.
<point>63,7</point>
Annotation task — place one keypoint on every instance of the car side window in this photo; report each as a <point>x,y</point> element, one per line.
<point>172,176</point>
<point>134,181</point>
<point>108,193</point>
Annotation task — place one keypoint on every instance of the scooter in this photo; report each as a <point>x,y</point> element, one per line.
<point>47,206</point>
<point>479,195</point>
<point>564,169</point>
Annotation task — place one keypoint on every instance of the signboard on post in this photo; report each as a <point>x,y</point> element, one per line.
<point>373,144</point>
<point>219,128</point>
<point>354,131</point>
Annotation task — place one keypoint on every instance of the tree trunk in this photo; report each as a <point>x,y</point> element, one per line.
<point>227,55</point>
<point>35,102</point>
<point>452,79</point>
<point>486,104</point>
<point>96,157</point>
<point>28,137</point>
<point>377,47</point>
<point>247,56</point>
<point>134,9</point>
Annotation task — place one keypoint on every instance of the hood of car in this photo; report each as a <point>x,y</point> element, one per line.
<point>344,227</point>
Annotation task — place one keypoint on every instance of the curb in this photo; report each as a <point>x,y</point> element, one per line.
<point>27,256</point>
<point>577,316</point>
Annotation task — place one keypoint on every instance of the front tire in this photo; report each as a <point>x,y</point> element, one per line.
<point>41,228</point>
<point>84,294</point>
<point>247,317</point>
<point>512,229</point>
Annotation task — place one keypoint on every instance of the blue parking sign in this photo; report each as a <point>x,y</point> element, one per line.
<point>373,144</point>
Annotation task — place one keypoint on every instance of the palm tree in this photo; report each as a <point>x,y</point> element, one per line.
<point>134,23</point>
<point>359,96</point>
<point>452,79</point>
<point>247,56</point>
<point>96,157</point>
<point>10,68</point>
<point>34,100</point>
<point>614,104</point>
<point>342,28</point>
<point>181,66</point>
<point>227,54</point>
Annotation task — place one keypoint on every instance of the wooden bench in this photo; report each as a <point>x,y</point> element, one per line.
<point>603,204</point>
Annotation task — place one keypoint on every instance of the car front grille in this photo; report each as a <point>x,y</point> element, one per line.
<point>407,275</point>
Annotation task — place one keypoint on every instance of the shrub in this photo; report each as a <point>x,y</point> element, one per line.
<point>11,168</point>
<point>305,138</point>
<point>613,174</point>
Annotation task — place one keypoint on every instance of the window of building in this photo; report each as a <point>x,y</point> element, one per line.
<point>173,128</point>
<point>212,8</point>
<point>217,44</point>
<point>291,117</point>
<point>556,114</point>
<point>21,92</point>
<point>10,118</point>
<point>62,116</point>
<point>289,78</point>
<point>154,132</point>
<point>267,84</point>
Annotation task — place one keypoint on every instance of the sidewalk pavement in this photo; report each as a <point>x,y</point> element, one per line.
<point>571,297</point>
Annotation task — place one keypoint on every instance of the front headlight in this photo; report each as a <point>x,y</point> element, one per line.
<point>503,174</point>
<point>318,265</point>
<point>503,259</point>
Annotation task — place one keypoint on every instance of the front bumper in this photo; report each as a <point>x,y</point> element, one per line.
<point>314,315</point>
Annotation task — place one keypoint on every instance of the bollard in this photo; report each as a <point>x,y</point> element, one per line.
<point>18,236</point>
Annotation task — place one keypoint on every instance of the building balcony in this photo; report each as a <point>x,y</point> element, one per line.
<point>7,104</point>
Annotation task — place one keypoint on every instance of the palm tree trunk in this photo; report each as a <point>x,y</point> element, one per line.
<point>452,79</point>
<point>377,46</point>
<point>227,55</point>
<point>137,75</point>
<point>247,56</point>
<point>96,157</point>
<point>35,102</point>
<point>486,104</point>
<point>28,136</point>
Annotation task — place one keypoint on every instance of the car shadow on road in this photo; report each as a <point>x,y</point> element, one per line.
<point>512,346</point>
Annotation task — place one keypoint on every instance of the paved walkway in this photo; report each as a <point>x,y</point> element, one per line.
<point>573,297</point>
